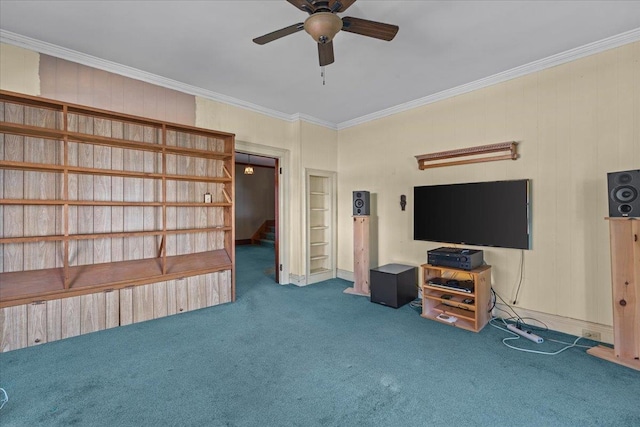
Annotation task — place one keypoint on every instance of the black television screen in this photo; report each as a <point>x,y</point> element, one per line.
<point>481,213</point>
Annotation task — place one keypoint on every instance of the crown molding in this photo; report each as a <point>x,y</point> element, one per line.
<point>113,67</point>
<point>92,61</point>
<point>314,121</point>
<point>532,67</point>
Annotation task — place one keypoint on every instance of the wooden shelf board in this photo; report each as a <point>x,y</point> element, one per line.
<point>91,236</point>
<point>114,142</point>
<point>22,99</point>
<point>31,131</point>
<point>193,152</point>
<point>456,301</point>
<point>58,134</point>
<point>319,227</point>
<point>319,270</point>
<point>199,230</point>
<point>460,323</point>
<point>318,193</point>
<point>198,262</point>
<point>432,290</point>
<point>45,202</point>
<point>28,286</point>
<point>31,202</point>
<point>318,257</point>
<point>31,239</point>
<point>455,311</point>
<point>199,131</point>
<point>20,284</point>
<point>200,204</point>
<point>33,167</point>
<point>193,178</point>
<point>319,243</point>
<point>41,167</point>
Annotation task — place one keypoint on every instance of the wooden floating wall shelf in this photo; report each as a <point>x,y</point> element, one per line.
<point>479,154</point>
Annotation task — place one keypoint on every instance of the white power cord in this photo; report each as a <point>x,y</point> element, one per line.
<point>4,398</point>
<point>515,336</point>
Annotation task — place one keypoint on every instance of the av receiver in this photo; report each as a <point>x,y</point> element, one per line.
<point>464,259</point>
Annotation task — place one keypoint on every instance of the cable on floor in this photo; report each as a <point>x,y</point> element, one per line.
<point>4,397</point>
<point>515,336</point>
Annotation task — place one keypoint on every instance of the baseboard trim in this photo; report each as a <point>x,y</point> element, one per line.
<point>243,242</point>
<point>345,275</point>
<point>566,325</point>
<point>298,280</point>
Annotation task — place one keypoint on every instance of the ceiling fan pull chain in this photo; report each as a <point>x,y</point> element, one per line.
<point>322,74</point>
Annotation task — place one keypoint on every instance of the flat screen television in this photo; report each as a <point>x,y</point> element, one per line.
<point>480,213</point>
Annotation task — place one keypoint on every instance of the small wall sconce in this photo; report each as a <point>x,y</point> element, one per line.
<point>403,201</point>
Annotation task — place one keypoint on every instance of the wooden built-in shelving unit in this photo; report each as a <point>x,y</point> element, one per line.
<point>320,189</point>
<point>93,200</point>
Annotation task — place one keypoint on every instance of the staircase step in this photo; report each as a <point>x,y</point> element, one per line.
<point>265,242</point>
<point>269,236</point>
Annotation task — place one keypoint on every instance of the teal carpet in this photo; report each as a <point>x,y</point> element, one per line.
<point>311,356</point>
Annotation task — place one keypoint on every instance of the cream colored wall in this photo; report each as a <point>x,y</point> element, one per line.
<point>574,123</point>
<point>319,147</point>
<point>309,146</point>
<point>19,70</point>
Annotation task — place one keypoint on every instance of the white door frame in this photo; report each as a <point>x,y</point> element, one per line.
<point>283,199</point>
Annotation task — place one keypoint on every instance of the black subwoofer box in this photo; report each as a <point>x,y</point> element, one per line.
<point>393,285</point>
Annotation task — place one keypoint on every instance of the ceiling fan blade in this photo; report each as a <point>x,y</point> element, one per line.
<point>344,5</point>
<point>325,53</point>
<point>303,5</point>
<point>279,33</point>
<point>377,30</point>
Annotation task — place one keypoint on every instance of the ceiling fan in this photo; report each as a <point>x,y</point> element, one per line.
<point>323,24</point>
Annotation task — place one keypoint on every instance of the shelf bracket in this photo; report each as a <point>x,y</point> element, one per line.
<point>226,195</point>
<point>475,154</point>
<point>161,249</point>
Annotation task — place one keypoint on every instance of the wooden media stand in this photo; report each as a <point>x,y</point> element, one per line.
<point>472,316</point>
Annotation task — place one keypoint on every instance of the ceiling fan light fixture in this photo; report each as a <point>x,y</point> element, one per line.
<point>323,26</point>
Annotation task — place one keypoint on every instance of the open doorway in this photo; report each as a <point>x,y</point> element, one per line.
<point>283,195</point>
<point>256,204</point>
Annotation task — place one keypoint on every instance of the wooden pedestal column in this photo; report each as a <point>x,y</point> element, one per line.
<point>625,281</point>
<point>360,257</point>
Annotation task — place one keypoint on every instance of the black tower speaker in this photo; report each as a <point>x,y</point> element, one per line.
<point>624,197</point>
<point>361,205</point>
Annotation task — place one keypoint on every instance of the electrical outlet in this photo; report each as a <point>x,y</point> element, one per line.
<point>592,335</point>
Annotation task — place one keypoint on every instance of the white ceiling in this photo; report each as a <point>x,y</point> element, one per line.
<point>207,44</point>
